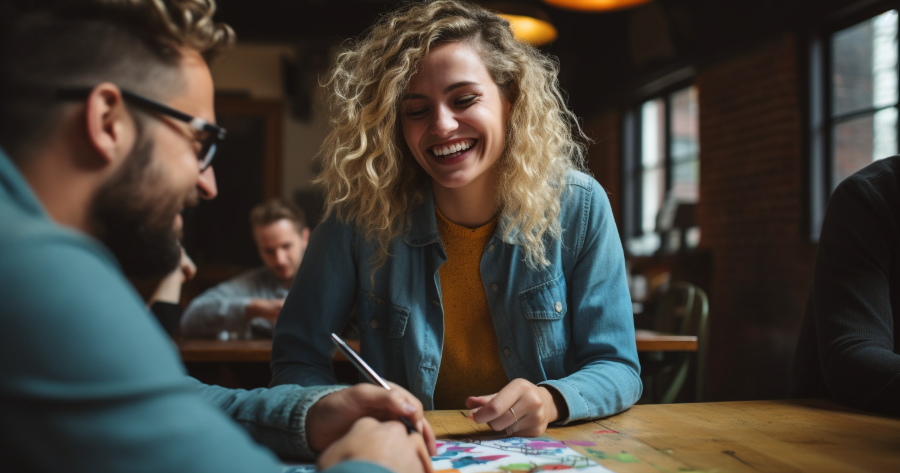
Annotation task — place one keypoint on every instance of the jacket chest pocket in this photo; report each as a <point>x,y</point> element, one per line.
<point>545,308</point>
<point>378,316</point>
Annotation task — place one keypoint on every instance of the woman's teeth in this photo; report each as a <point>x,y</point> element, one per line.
<point>454,149</point>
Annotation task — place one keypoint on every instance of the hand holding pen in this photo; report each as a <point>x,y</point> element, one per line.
<point>333,416</point>
<point>369,373</point>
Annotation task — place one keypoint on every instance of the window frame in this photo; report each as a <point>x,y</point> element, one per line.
<point>820,122</point>
<point>632,164</point>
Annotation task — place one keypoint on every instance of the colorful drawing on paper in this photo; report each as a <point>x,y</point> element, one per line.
<point>511,455</point>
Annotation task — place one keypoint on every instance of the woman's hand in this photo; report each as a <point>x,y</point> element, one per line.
<point>332,416</point>
<point>385,443</point>
<point>520,407</point>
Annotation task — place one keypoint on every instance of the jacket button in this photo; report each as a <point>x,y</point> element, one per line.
<point>436,302</point>
<point>491,248</point>
<point>373,323</point>
<point>495,287</point>
<point>558,306</point>
<point>506,351</point>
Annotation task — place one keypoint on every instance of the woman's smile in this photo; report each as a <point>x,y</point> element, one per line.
<point>454,117</point>
<point>453,152</point>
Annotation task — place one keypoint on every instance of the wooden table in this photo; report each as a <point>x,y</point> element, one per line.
<point>779,435</point>
<point>228,351</point>
<point>648,340</point>
<point>244,363</point>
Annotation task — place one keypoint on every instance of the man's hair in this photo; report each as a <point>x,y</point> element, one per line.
<point>46,45</point>
<point>275,210</point>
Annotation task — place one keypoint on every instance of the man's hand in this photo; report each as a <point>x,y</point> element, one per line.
<point>533,407</point>
<point>265,308</point>
<point>385,443</point>
<point>332,416</point>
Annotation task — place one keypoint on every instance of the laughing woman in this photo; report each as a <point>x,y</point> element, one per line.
<point>483,268</point>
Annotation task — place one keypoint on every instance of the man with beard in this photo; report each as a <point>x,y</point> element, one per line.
<point>105,109</point>
<point>248,304</point>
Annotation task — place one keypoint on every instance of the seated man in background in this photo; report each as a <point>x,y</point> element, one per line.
<point>106,111</point>
<point>849,346</point>
<point>253,299</point>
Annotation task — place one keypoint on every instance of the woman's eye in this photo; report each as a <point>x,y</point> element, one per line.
<point>417,113</point>
<point>466,99</point>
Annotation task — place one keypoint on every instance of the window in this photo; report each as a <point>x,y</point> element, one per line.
<point>854,103</point>
<point>662,169</point>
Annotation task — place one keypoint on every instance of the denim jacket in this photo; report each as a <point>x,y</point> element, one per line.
<point>568,325</point>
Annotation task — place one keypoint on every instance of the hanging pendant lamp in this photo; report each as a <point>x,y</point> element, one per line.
<point>595,5</point>
<point>527,29</point>
<point>530,25</point>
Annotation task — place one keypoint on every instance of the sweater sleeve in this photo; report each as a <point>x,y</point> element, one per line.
<point>223,307</point>
<point>605,377</point>
<point>851,298</point>
<point>274,417</point>
<point>90,382</point>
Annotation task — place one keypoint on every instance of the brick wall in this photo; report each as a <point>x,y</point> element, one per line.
<point>751,215</point>
<point>751,212</point>
<point>604,155</point>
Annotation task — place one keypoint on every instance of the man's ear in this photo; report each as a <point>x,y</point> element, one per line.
<point>110,126</point>
<point>304,235</point>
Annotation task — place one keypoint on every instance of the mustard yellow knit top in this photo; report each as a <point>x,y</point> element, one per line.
<point>470,362</point>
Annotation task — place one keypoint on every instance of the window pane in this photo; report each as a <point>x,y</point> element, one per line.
<point>885,130</point>
<point>864,65</point>
<point>685,176</point>
<point>653,122</point>
<point>685,145</point>
<point>651,198</point>
<point>685,126</point>
<point>861,141</point>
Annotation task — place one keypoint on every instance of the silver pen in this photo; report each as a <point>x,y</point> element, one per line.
<point>368,372</point>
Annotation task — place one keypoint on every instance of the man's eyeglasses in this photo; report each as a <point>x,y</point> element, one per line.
<point>208,135</point>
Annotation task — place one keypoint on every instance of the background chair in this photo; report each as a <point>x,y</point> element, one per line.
<point>683,308</point>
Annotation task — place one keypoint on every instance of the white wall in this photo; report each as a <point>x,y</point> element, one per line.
<point>256,69</point>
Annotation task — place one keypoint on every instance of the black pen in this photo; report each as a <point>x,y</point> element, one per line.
<point>368,372</point>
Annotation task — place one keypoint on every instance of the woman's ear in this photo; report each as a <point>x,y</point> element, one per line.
<point>511,91</point>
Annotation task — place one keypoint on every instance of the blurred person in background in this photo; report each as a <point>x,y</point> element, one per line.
<point>250,303</point>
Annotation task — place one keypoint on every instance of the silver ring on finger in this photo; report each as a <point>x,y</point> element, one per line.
<point>514,423</point>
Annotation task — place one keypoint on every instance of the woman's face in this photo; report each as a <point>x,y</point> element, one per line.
<point>454,116</point>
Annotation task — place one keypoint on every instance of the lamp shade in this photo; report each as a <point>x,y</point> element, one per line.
<point>531,30</point>
<point>595,5</point>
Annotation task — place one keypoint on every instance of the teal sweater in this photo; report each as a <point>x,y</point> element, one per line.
<point>89,382</point>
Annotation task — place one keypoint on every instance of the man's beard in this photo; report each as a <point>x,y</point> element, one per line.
<point>135,224</point>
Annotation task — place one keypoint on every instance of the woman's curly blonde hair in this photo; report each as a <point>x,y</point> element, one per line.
<point>372,180</point>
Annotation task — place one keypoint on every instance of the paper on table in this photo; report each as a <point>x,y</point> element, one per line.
<point>510,455</point>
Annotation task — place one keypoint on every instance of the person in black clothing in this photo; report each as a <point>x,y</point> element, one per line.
<point>849,346</point>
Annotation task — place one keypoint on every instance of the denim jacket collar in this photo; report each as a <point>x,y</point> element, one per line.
<point>423,225</point>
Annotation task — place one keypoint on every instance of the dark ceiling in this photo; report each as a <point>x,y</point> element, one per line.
<point>604,57</point>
